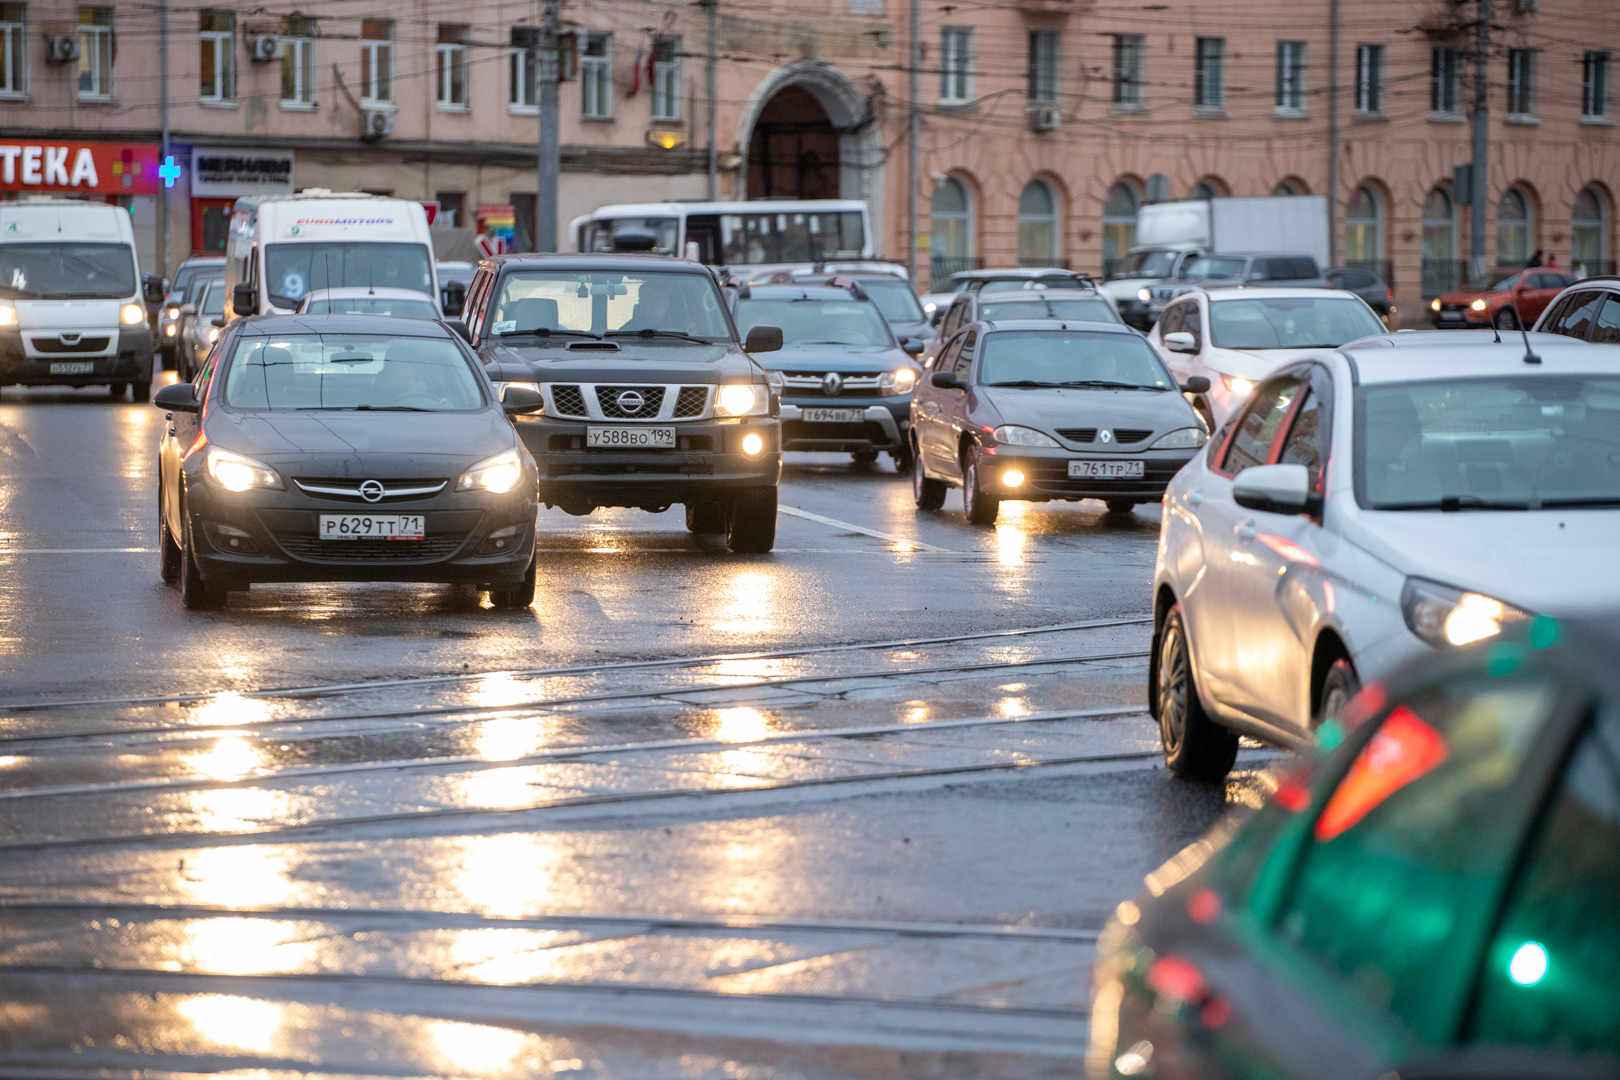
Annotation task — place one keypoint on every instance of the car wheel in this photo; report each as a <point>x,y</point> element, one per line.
<point>168,360</point>
<point>706,518</point>
<point>1506,320</point>
<point>929,493</point>
<point>518,597</point>
<point>1121,506</point>
<point>1338,687</point>
<point>169,553</point>
<point>752,524</point>
<point>981,509</point>
<point>902,457</point>
<point>194,591</point>
<point>1195,746</point>
<point>864,458</point>
<point>142,391</point>
<point>116,389</point>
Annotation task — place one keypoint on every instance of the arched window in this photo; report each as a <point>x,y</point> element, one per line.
<point>1158,188</point>
<point>1287,187</point>
<point>1037,226</point>
<point>1119,224</point>
<point>1588,234</point>
<point>1364,228</point>
<point>951,229</point>
<point>1203,190</point>
<point>1513,229</point>
<point>1440,270</point>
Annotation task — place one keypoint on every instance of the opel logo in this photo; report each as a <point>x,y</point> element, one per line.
<point>832,384</point>
<point>1107,436</point>
<point>630,402</point>
<point>70,339</point>
<point>372,490</point>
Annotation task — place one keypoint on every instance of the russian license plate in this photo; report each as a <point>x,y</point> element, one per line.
<point>78,367</point>
<point>371,526</point>
<point>834,416</point>
<point>1105,470</point>
<point>630,438</point>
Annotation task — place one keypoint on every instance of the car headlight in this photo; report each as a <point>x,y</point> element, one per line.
<point>1443,615</point>
<point>1187,438</point>
<point>741,399</point>
<point>238,472</point>
<point>930,307</point>
<point>897,382</point>
<point>173,313</point>
<point>1013,435</point>
<point>213,334</point>
<point>8,315</point>
<point>499,474</point>
<point>132,314</point>
<point>1145,295</point>
<point>1434,305</point>
<point>1479,305</point>
<point>171,330</point>
<point>1236,386</point>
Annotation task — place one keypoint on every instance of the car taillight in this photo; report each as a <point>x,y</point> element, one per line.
<point>1389,294</point>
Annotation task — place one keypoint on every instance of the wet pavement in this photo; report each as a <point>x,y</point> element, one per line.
<point>856,807</point>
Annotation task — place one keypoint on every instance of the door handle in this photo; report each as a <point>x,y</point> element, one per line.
<point>1245,531</point>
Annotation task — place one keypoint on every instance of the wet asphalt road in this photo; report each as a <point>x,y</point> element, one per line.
<point>856,807</point>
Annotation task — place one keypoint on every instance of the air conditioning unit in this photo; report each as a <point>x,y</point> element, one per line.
<point>264,47</point>
<point>375,123</point>
<point>1045,116</point>
<point>61,48</point>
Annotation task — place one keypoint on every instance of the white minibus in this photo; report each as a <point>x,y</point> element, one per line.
<point>766,233</point>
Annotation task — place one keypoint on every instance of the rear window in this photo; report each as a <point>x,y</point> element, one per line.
<point>399,307</point>
<point>1296,269</point>
<point>817,322</point>
<point>1095,310</point>
<point>350,371</point>
<point>1215,266</point>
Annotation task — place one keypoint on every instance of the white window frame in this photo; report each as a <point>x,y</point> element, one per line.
<point>666,81</point>
<point>1596,70</point>
<point>95,44</point>
<point>1443,82</point>
<point>14,56</point>
<point>1045,61</point>
<point>596,78</point>
<point>955,65</point>
<point>450,58</point>
<point>1369,79</point>
<point>299,53</point>
<point>522,91</point>
<point>1521,85</point>
<point>376,55</point>
<point>1129,89</point>
<point>1291,78</point>
<point>1209,75</point>
<point>224,42</point>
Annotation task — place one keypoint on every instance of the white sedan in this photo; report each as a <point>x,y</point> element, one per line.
<point>1235,337</point>
<point>1371,505</point>
<point>363,300</point>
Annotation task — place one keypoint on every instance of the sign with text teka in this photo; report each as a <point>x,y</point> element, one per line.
<point>80,168</point>
<point>229,173</point>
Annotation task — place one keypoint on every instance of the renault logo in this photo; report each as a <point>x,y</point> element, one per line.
<point>630,402</point>
<point>372,490</point>
<point>1107,436</point>
<point>832,384</point>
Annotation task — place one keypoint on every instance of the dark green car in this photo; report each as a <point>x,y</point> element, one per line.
<point>1437,893</point>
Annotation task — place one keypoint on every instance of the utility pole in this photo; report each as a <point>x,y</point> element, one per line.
<point>545,199</point>
<point>714,59</point>
<point>911,143</point>
<point>1481,140</point>
<point>1333,135</point>
<point>163,152</point>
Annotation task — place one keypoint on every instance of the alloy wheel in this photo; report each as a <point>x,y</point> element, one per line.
<point>1172,688</point>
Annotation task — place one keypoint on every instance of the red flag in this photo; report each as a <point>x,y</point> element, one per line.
<point>635,75</point>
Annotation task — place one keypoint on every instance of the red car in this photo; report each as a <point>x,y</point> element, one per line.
<point>1490,299</point>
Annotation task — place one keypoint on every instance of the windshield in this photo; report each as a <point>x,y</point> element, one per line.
<point>1097,310</point>
<point>351,371</point>
<point>214,300</point>
<point>1506,442</point>
<point>1065,356</point>
<point>662,306</point>
<point>895,299</point>
<point>195,289</point>
<point>1506,284</point>
<point>66,271</point>
<point>1010,284</point>
<point>1493,279</point>
<point>399,307</point>
<point>1147,264</point>
<point>1290,322</point>
<point>184,276</point>
<point>817,322</point>
<point>1214,267</point>
<point>294,269</point>
<point>654,234</point>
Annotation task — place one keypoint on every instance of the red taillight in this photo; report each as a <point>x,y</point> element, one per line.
<point>1389,294</point>
<point>1177,978</point>
<point>1203,906</point>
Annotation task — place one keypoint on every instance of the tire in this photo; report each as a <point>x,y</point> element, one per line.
<point>751,524</point>
<point>981,509</point>
<point>169,554</point>
<point>519,597</point>
<point>863,458</point>
<point>706,519</point>
<point>1506,320</point>
<point>1121,506</point>
<point>1195,746</point>
<point>194,591</point>
<point>141,391</point>
<point>1339,685</point>
<point>902,457</point>
<point>929,493</point>
<point>116,389</point>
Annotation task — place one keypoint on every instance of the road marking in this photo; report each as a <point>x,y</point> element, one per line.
<point>75,551</point>
<point>915,544</point>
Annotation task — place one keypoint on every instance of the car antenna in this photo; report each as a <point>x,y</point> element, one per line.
<point>1529,355</point>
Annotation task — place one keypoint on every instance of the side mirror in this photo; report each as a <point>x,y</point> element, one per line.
<point>1276,489</point>
<point>178,397</point>
<point>454,298</point>
<point>933,320</point>
<point>152,289</point>
<point>245,299</point>
<point>947,380</point>
<point>1181,342</point>
<point>188,309</point>
<point>520,399</point>
<point>1196,385</point>
<point>913,346</point>
<point>461,328</point>
<point>220,321</point>
<point>763,339</point>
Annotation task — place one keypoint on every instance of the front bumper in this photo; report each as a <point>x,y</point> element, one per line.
<point>1046,474</point>
<point>707,464</point>
<point>882,426</point>
<point>1137,314</point>
<point>1453,317</point>
<point>129,360</point>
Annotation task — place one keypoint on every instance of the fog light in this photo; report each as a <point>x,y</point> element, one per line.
<point>171,330</point>
<point>499,540</point>
<point>1012,478</point>
<point>752,444</point>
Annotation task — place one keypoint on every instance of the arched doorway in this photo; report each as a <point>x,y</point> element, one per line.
<point>1441,271</point>
<point>950,214</point>
<point>793,151</point>
<point>1513,229</point>
<point>1364,230</point>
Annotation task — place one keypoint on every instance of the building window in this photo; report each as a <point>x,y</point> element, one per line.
<point>1440,269</point>
<point>1588,234</point>
<point>1286,188</point>
<point>1594,84</point>
<point>13,50</point>
<point>297,61</point>
<point>1521,83</point>
<point>1129,63</point>
<point>1209,74</point>
<point>218,34</point>
<point>1443,81</point>
<point>1513,229</point>
<point>95,53</point>
<point>666,79</point>
<point>1369,79</point>
<point>1204,189</point>
<point>956,65</point>
<point>1290,77</point>
<point>596,77</point>
<point>452,66</point>
<point>1363,230</point>
<point>376,61</point>
<point>1043,65</point>
<point>1037,226</point>
<point>1119,224</point>
<point>951,230</point>
<point>523,89</point>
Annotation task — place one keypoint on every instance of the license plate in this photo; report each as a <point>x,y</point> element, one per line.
<point>834,416</point>
<point>630,438</point>
<point>82,367</point>
<point>371,526</point>
<point>1105,470</point>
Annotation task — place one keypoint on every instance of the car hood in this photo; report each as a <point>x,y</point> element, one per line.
<point>67,314</point>
<point>1254,364</point>
<point>1547,561</point>
<point>836,358</point>
<point>635,362</point>
<point>1048,409</point>
<point>363,444</point>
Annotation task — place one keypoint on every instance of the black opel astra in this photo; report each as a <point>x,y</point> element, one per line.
<point>344,448</point>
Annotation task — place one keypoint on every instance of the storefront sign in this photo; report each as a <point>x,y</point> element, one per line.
<point>226,174</point>
<point>78,168</point>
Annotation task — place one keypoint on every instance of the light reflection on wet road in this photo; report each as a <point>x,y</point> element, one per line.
<point>535,845</point>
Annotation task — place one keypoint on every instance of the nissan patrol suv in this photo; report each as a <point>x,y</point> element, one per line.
<point>650,398</point>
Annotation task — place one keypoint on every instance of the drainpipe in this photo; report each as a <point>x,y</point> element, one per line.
<point>163,151</point>
<point>1333,134</point>
<point>911,160</point>
<point>714,161</point>
<point>1481,140</point>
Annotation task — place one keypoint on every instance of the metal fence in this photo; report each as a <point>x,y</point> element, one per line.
<point>1443,276</point>
<point>941,267</point>
<point>1043,264</point>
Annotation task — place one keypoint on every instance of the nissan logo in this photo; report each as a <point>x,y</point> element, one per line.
<point>832,384</point>
<point>1107,436</point>
<point>372,490</point>
<point>630,402</point>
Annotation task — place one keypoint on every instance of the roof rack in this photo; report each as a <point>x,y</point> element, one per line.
<point>854,286</point>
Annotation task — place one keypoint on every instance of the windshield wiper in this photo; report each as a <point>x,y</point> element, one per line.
<point>546,331</point>
<point>1109,384</point>
<point>681,334</point>
<point>1026,382</point>
<point>361,408</point>
<point>1597,500</point>
<point>1450,503</point>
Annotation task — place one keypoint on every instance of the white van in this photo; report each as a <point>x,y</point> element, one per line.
<point>283,246</point>
<point>72,303</point>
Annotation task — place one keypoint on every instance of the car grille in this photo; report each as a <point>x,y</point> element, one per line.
<point>51,345</point>
<point>567,400</point>
<point>652,398</point>
<point>855,383</point>
<point>1131,435</point>
<point>1078,434</point>
<point>312,548</point>
<point>349,490</point>
<point>691,400</point>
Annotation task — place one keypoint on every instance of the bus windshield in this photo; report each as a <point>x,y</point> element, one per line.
<point>291,270</point>
<point>66,271</point>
